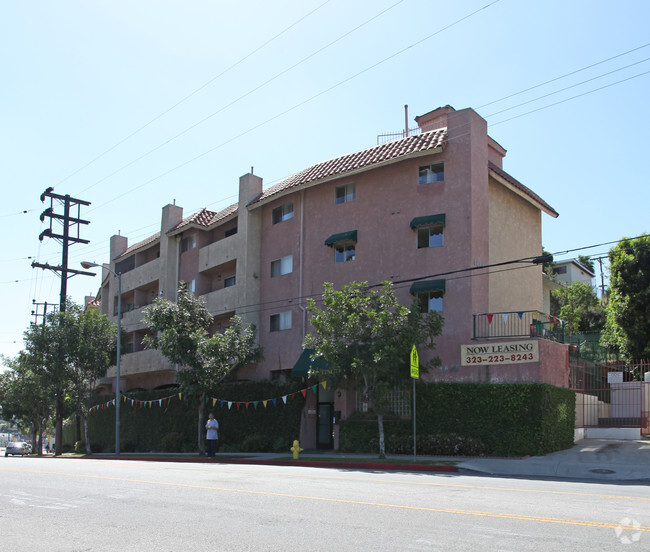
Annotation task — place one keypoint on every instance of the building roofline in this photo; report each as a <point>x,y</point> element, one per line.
<point>351,164</point>
<point>518,188</point>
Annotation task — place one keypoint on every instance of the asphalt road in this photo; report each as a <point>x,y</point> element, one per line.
<point>58,504</point>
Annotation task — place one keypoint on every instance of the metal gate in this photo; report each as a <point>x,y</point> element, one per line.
<point>612,394</point>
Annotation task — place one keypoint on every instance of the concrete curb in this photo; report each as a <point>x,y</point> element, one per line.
<point>377,466</point>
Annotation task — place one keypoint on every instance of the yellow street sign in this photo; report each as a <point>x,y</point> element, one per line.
<point>415,363</point>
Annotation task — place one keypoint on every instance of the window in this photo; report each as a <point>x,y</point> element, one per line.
<point>281,321</point>
<point>230,232</point>
<point>282,213</point>
<point>345,193</point>
<point>559,270</point>
<point>191,286</point>
<point>344,253</point>
<point>431,173</point>
<point>430,293</point>
<point>187,244</point>
<point>431,301</point>
<point>430,237</point>
<point>229,281</point>
<point>282,266</point>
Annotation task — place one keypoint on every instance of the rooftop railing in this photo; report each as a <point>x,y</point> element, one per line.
<point>518,324</point>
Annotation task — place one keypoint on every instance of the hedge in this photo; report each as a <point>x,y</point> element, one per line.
<point>173,426</point>
<point>474,419</point>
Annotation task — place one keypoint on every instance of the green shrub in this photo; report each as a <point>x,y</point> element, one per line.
<point>172,442</point>
<point>433,445</point>
<point>80,447</point>
<point>281,444</point>
<point>470,419</point>
<point>256,443</point>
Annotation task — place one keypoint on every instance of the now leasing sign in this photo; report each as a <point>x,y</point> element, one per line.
<point>510,352</point>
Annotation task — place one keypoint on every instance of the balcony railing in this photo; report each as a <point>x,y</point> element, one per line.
<point>518,324</point>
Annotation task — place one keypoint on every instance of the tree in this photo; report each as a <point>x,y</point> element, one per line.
<point>95,348</point>
<point>628,312</point>
<point>24,398</point>
<point>586,261</point>
<point>70,352</point>
<point>180,331</point>
<point>48,346</point>
<point>579,307</point>
<point>367,336</point>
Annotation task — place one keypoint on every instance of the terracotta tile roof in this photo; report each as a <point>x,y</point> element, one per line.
<point>360,160</point>
<point>503,174</point>
<point>139,245</point>
<point>206,218</point>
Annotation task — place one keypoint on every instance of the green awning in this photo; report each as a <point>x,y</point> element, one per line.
<point>305,363</point>
<point>427,285</point>
<point>429,220</point>
<point>342,237</point>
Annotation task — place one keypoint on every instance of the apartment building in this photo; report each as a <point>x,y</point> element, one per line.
<point>415,211</point>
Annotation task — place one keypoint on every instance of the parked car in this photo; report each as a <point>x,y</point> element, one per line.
<point>17,447</point>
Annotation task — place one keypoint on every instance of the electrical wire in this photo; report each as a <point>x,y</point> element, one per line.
<point>569,99</point>
<point>564,76</point>
<point>188,96</point>
<point>238,99</point>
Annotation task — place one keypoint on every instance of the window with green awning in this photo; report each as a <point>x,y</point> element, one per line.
<point>422,286</point>
<point>350,236</point>
<point>428,220</point>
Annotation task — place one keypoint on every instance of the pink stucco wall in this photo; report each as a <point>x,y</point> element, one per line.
<point>387,199</point>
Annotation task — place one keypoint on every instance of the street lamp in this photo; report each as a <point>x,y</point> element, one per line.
<point>86,265</point>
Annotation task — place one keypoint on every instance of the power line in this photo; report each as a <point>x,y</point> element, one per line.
<point>236,100</point>
<point>568,87</point>
<point>296,106</point>
<point>182,100</point>
<point>564,76</point>
<point>571,98</point>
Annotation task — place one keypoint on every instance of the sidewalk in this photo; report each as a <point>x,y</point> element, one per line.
<point>595,459</point>
<point>599,459</point>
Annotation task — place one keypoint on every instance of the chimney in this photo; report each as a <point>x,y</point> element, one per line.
<point>434,119</point>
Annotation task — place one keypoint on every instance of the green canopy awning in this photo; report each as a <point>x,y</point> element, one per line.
<point>350,236</point>
<point>305,363</point>
<point>429,220</point>
<point>423,286</point>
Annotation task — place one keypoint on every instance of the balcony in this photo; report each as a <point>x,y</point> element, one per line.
<point>141,362</point>
<point>518,324</point>
<point>222,300</point>
<point>220,252</point>
<point>141,276</point>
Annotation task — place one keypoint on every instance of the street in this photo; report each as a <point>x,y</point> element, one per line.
<point>80,504</point>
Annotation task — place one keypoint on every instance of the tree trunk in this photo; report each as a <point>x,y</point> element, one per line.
<point>39,446</point>
<point>87,434</point>
<point>58,424</point>
<point>382,447</point>
<point>201,426</point>
<point>35,436</point>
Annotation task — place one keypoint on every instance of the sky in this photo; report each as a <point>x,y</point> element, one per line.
<point>134,105</point>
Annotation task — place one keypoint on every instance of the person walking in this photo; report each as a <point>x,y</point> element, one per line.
<point>212,436</point>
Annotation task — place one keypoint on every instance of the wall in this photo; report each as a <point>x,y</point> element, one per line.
<point>552,368</point>
<point>515,233</point>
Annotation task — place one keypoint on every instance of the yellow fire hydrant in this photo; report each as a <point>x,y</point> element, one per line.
<point>296,449</point>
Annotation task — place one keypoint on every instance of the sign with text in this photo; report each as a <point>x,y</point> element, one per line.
<point>509,352</point>
<point>415,363</point>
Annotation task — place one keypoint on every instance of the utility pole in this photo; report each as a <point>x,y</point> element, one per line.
<point>602,278</point>
<point>38,315</point>
<point>66,237</point>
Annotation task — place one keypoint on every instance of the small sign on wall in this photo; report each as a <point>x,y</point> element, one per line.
<point>509,352</point>
<point>614,377</point>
